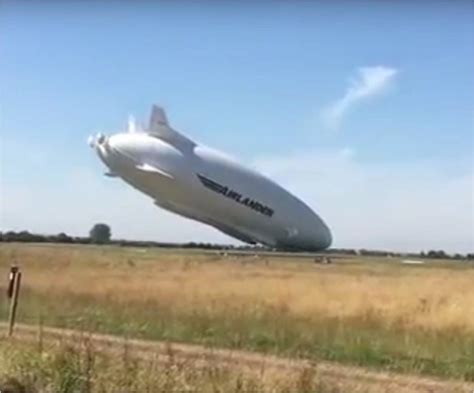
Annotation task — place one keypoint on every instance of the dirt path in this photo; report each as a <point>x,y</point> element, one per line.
<point>354,378</point>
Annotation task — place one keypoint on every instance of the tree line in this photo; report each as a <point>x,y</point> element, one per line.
<point>101,234</point>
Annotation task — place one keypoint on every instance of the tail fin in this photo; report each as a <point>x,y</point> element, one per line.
<point>158,119</point>
<point>160,128</point>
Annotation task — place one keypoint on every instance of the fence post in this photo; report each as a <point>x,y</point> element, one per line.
<point>16,283</point>
<point>40,333</point>
<point>11,280</point>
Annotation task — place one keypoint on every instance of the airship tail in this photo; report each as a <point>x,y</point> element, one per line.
<point>158,119</point>
<point>160,127</point>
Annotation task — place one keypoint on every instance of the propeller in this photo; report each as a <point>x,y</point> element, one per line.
<point>132,126</point>
<point>98,140</point>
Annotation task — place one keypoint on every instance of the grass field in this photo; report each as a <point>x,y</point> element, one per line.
<point>55,360</point>
<point>72,369</point>
<point>371,312</point>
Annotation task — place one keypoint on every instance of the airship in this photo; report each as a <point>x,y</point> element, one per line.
<point>203,184</point>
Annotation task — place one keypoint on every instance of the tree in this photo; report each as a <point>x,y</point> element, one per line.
<point>437,254</point>
<point>100,233</point>
<point>63,238</point>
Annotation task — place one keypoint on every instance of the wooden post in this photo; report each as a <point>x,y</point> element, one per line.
<point>14,302</point>
<point>11,280</point>
<point>40,333</point>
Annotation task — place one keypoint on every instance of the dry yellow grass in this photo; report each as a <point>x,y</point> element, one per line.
<point>430,298</point>
<point>365,311</point>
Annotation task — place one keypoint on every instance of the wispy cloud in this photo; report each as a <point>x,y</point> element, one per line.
<point>369,82</point>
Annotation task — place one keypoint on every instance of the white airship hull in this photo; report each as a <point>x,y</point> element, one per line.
<point>205,185</point>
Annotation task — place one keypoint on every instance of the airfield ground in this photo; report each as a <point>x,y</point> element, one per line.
<point>375,313</point>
